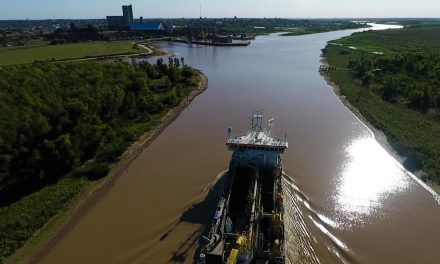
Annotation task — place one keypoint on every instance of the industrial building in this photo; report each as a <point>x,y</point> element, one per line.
<point>127,12</point>
<point>121,22</point>
<point>126,22</point>
<point>149,26</point>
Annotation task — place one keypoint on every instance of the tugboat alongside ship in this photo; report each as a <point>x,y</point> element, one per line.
<point>248,223</point>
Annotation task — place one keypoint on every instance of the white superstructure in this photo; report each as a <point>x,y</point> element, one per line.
<point>258,146</point>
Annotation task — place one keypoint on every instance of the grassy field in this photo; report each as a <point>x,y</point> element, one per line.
<point>411,39</point>
<point>319,28</point>
<point>36,42</point>
<point>294,31</point>
<point>413,134</point>
<point>19,55</point>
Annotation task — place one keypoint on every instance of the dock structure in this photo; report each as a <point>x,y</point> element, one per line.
<point>234,43</point>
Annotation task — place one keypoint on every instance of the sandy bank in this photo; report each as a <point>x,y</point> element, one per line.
<point>97,190</point>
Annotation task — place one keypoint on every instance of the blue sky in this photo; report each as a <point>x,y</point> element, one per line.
<point>40,9</point>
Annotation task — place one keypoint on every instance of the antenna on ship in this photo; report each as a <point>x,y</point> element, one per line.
<point>256,124</point>
<point>259,121</point>
<point>250,123</point>
<point>271,125</point>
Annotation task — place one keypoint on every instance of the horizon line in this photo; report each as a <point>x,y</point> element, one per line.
<point>40,19</point>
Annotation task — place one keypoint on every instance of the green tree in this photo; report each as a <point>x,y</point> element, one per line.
<point>390,88</point>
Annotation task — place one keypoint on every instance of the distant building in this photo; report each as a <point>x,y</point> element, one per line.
<point>116,22</point>
<point>121,22</point>
<point>127,12</point>
<point>150,26</point>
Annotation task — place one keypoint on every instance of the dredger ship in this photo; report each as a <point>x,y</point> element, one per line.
<point>248,223</point>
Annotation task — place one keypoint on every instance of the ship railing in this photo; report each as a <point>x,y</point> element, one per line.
<point>277,148</point>
<point>266,215</point>
<point>230,234</point>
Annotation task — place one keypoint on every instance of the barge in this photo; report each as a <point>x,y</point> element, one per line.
<point>248,223</point>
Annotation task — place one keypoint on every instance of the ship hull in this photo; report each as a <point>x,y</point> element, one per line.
<point>248,224</point>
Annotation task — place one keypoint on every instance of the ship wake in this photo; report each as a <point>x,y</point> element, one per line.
<point>300,241</point>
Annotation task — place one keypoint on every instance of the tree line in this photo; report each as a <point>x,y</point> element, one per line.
<point>76,34</point>
<point>76,118</point>
<point>409,79</point>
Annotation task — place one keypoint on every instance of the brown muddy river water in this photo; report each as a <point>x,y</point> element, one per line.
<point>347,199</point>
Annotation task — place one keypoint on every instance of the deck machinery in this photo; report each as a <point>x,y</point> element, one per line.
<point>248,223</point>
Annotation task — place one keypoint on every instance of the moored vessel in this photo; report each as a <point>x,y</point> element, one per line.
<point>248,223</point>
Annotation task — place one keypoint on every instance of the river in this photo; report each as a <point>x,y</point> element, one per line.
<point>348,200</point>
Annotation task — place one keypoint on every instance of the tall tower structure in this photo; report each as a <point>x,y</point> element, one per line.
<point>127,12</point>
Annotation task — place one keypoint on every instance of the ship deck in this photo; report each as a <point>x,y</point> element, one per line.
<point>257,139</point>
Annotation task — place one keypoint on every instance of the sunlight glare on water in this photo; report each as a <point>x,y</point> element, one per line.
<point>383,26</point>
<point>368,176</point>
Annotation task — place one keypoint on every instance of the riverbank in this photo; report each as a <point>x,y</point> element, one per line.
<point>48,236</point>
<point>379,135</point>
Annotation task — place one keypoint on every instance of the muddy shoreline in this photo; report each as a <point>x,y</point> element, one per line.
<point>380,136</point>
<point>99,189</point>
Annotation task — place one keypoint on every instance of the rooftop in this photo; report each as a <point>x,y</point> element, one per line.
<point>147,26</point>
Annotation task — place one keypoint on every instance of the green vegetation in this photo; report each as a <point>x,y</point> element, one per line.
<point>18,55</point>
<point>321,27</point>
<point>63,124</point>
<point>16,38</point>
<point>294,31</point>
<point>19,220</point>
<point>407,21</point>
<point>76,34</point>
<point>393,78</point>
<point>417,39</point>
